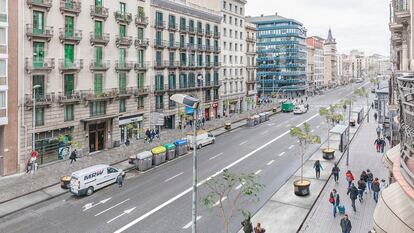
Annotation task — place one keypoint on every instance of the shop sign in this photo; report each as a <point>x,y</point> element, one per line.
<point>215,105</point>
<point>158,118</point>
<point>128,120</point>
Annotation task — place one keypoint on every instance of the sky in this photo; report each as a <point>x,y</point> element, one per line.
<point>356,24</point>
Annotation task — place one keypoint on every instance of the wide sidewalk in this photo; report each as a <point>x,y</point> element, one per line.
<point>363,156</point>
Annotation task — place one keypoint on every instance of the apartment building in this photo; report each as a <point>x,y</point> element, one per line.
<point>330,71</point>
<point>251,55</point>
<point>233,56</point>
<point>315,62</point>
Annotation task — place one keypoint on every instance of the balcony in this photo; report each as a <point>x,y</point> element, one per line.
<point>141,21</point>
<point>172,45</point>
<point>401,12</point>
<point>125,92</point>
<point>123,66</point>
<point>70,66</point>
<point>217,35</point>
<point>39,65</point>
<point>141,66</point>
<point>96,39</point>
<point>141,91</point>
<point>159,89</point>
<point>71,7</point>
<point>141,43</point>
<point>209,48</point>
<point>125,18</point>
<point>208,65</point>
<point>160,64</point>
<point>201,48</point>
<point>251,39</point>
<point>44,34</point>
<point>183,29</point>
<point>43,100</point>
<point>102,66</point>
<point>124,41</point>
<point>192,47</point>
<point>105,94</point>
<point>217,64</point>
<point>74,97</point>
<point>183,47</point>
<point>183,65</point>
<point>173,64</point>
<point>159,24</point>
<point>191,30</point>
<point>43,4</point>
<point>200,32</point>
<point>160,44</point>
<point>217,83</point>
<point>99,12</point>
<point>208,33</point>
<point>217,49</point>
<point>172,27</point>
<point>73,37</point>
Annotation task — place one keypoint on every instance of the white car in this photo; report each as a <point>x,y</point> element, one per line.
<point>299,109</point>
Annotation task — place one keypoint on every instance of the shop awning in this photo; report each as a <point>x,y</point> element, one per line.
<point>98,118</point>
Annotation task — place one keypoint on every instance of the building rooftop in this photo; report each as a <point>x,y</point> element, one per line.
<point>330,39</point>
<point>269,18</point>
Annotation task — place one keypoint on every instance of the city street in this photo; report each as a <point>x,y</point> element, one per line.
<point>159,200</point>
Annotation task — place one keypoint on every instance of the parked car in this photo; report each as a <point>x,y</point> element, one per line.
<point>203,138</point>
<point>300,109</point>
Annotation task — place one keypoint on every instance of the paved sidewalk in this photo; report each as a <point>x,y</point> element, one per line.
<point>362,156</point>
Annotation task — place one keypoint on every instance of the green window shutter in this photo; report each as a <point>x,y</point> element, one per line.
<point>140,33</point>
<point>122,105</point>
<point>39,80</point>
<point>69,55</point>
<point>69,4</point>
<point>140,80</point>
<point>140,56</point>
<point>68,84</point>
<point>98,3</point>
<point>38,22</point>
<point>122,31</point>
<point>38,54</point>
<point>69,26</point>
<point>122,56</point>
<point>98,84</point>
<point>98,29</point>
<point>98,56</point>
<point>122,81</point>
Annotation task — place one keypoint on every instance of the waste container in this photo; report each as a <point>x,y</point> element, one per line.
<point>267,116</point>
<point>250,121</point>
<point>256,119</point>
<point>262,117</point>
<point>227,126</point>
<point>143,161</point>
<point>158,155</point>
<point>131,159</point>
<point>181,147</point>
<point>170,151</point>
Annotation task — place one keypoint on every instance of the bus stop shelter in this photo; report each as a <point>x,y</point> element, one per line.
<point>339,133</point>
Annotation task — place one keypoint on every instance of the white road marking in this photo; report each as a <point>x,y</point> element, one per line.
<point>215,156</point>
<point>270,162</point>
<point>258,172</point>
<point>218,202</point>
<point>282,153</point>
<point>190,223</point>
<point>241,143</point>
<point>264,132</point>
<point>166,203</point>
<point>120,203</point>
<point>288,125</point>
<point>318,126</point>
<point>91,205</point>
<point>291,146</point>
<point>179,174</point>
<point>238,187</point>
<point>271,124</point>
<point>312,130</point>
<point>128,211</point>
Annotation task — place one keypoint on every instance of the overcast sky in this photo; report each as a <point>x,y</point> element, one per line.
<point>356,24</point>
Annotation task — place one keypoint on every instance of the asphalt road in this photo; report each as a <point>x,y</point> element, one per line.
<point>160,200</point>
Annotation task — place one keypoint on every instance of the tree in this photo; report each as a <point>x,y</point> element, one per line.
<point>362,92</point>
<point>331,117</point>
<point>375,81</point>
<point>222,193</point>
<point>305,137</point>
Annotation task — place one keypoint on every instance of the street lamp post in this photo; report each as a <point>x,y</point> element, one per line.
<point>194,103</point>
<point>34,115</point>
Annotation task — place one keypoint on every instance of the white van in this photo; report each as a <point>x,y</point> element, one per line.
<point>203,138</point>
<point>88,180</point>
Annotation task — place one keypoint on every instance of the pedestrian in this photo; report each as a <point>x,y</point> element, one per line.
<point>148,136</point>
<point>152,134</point>
<point>353,195</point>
<point>318,167</point>
<point>157,132</point>
<point>119,180</point>
<point>127,142</point>
<point>379,131</point>
<point>383,184</point>
<point>346,225</point>
<point>73,156</point>
<point>372,105</point>
<point>349,177</point>
<point>370,178</point>
<point>382,144</point>
<point>361,188</point>
<point>376,188</point>
<point>375,116</point>
<point>377,144</point>
<point>334,200</point>
<point>306,98</point>
<point>247,224</point>
<point>259,229</point>
<point>335,172</point>
<point>203,121</point>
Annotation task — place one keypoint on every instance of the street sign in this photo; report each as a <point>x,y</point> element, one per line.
<point>158,118</point>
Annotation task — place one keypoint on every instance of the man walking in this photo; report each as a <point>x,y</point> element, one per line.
<point>382,144</point>
<point>379,131</point>
<point>346,225</point>
<point>73,156</point>
<point>353,195</point>
<point>376,188</point>
<point>120,180</point>
<point>335,172</point>
<point>318,167</point>
<point>377,144</point>
<point>361,188</point>
<point>375,116</point>
<point>369,179</point>
<point>148,136</point>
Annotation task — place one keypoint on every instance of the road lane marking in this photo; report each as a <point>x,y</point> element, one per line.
<point>264,132</point>
<point>179,174</point>
<point>215,156</point>
<point>258,172</point>
<point>171,200</point>
<point>291,146</point>
<point>128,211</point>
<point>238,187</point>
<point>270,162</point>
<point>271,124</point>
<point>191,223</point>
<point>241,143</point>
<point>120,203</point>
<point>318,126</point>
<point>218,202</point>
<point>312,130</point>
<point>91,205</point>
<point>282,153</point>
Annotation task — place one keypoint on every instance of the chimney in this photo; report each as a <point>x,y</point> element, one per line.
<point>276,13</point>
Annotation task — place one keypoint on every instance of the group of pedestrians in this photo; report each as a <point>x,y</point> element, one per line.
<point>150,135</point>
<point>248,226</point>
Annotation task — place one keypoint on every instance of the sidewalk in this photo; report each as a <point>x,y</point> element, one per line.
<point>23,190</point>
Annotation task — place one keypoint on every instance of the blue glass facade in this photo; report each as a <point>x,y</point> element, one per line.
<point>281,56</point>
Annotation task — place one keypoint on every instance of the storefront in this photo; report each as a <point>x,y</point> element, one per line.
<point>169,122</point>
<point>47,143</point>
<point>99,132</point>
<point>233,106</point>
<point>131,127</point>
<point>207,112</point>
<point>215,106</point>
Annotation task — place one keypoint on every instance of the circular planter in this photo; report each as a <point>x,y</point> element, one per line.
<point>131,159</point>
<point>328,153</point>
<point>301,187</point>
<point>65,182</point>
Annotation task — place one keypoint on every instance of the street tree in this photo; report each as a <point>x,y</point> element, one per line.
<point>331,117</point>
<point>305,138</point>
<point>224,197</point>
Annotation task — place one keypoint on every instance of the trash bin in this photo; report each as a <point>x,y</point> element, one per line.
<point>262,117</point>
<point>227,126</point>
<point>143,161</point>
<point>158,155</point>
<point>181,147</point>
<point>256,119</point>
<point>170,151</point>
<point>274,109</point>
<point>267,116</point>
<point>65,182</point>
<point>131,159</point>
<point>250,121</point>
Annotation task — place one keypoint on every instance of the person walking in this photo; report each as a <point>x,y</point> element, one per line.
<point>334,200</point>
<point>375,116</point>
<point>73,156</point>
<point>382,144</point>
<point>152,134</point>
<point>259,229</point>
<point>377,144</point>
<point>353,195</point>
<point>335,172</point>
<point>120,180</point>
<point>361,188</point>
<point>318,167</point>
<point>376,188</point>
<point>383,184</point>
<point>148,136</point>
<point>370,178</point>
<point>379,131</point>
<point>157,132</point>
<point>349,177</point>
<point>346,225</point>
<point>247,225</point>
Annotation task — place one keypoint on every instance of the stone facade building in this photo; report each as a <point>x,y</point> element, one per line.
<point>315,63</point>
<point>330,74</point>
<point>251,56</point>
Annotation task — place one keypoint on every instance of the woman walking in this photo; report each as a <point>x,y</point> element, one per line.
<point>318,167</point>
<point>349,177</point>
<point>334,200</point>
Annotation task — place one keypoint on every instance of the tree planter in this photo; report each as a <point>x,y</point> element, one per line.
<point>65,182</point>
<point>328,153</point>
<point>302,187</point>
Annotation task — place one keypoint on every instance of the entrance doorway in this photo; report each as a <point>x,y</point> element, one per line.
<point>97,137</point>
<point>207,114</point>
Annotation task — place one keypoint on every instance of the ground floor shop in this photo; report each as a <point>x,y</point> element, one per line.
<point>131,127</point>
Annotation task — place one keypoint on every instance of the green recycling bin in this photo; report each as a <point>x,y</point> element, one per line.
<point>170,154</point>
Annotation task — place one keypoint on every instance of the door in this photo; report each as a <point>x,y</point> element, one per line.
<point>68,84</point>
<point>122,56</point>
<point>69,26</point>
<point>98,57</point>
<point>38,54</point>
<point>92,141</point>
<point>101,137</point>
<point>69,55</point>
<point>98,29</point>
<point>97,137</point>
<point>38,22</point>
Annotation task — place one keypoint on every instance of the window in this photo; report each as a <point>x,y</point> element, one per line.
<point>225,59</point>
<point>38,22</point>
<point>224,4</point>
<point>241,10</point>
<point>241,23</point>
<point>140,33</point>
<point>191,25</point>
<point>40,116</point>
<point>230,20</point>
<point>200,60</point>
<point>225,32</point>
<point>122,105</point>
<point>208,29</point>
<point>171,81</point>
<point>182,23</point>
<point>231,33</point>
<point>158,57</point>
<point>122,56</point>
<point>158,37</point>
<point>224,45</point>
<point>159,102</point>
<point>171,21</point>
<point>199,27</point>
<point>97,108</point>
<point>235,21</point>
<point>3,71</point>
<point>98,29</point>
<point>122,8</point>
<point>241,35</point>
<point>68,83</point>
<point>69,55</point>
<point>69,27</point>
<point>158,18</point>
<point>3,10</point>
<point>140,104</point>
<point>39,80</point>
<point>230,7</point>
<point>69,112</point>
<point>159,82</point>
<point>3,101</point>
<point>122,31</point>
<point>98,56</point>
<point>122,81</point>
<point>235,9</point>
<point>140,81</point>
<point>236,34</point>
<point>97,84</point>
<point>224,18</point>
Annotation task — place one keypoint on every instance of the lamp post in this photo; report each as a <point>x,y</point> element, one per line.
<point>34,115</point>
<point>191,102</point>
<point>200,81</point>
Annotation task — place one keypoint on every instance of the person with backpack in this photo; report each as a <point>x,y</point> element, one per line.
<point>73,156</point>
<point>334,200</point>
<point>376,188</point>
<point>369,180</point>
<point>349,177</point>
<point>335,172</point>
<point>377,144</point>
<point>318,167</point>
<point>346,225</point>
<point>259,229</point>
<point>247,224</point>
<point>353,195</point>
<point>361,188</point>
